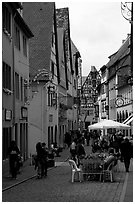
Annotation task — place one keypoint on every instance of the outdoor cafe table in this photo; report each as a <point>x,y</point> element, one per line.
<point>92,167</point>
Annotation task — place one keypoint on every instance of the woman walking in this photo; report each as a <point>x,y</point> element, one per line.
<point>13,152</point>
<point>39,160</point>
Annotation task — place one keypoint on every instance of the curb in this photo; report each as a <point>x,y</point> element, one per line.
<point>124,189</point>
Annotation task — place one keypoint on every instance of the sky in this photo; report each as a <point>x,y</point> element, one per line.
<point>97,29</point>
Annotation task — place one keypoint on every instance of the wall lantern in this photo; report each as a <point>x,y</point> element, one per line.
<point>24,112</point>
<point>8,115</point>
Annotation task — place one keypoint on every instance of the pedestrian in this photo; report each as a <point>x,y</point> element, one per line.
<point>45,166</point>
<point>55,149</point>
<point>68,139</point>
<point>87,138</point>
<point>126,152</point>
<point>73,150</point>
<point>13,152</point>
<point>39,160</point>
<point>80,151</point>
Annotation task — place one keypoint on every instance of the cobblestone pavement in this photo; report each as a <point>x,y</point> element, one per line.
<point>57,187</point>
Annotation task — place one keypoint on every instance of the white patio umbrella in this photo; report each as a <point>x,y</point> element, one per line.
<point>106,124</point>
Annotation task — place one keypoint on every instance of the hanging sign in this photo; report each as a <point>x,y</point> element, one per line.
<point>119,102</point>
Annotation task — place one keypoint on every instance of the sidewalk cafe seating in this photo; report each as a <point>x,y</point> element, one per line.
<point>74,169</point>
<point>92,168</point>
<point>108,174</point>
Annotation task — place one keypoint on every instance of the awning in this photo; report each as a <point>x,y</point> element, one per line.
<point>128,120</point>
<point>107,124</point>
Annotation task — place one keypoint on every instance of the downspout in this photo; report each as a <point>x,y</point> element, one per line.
<point>13,73</point>
<point>41,114</point>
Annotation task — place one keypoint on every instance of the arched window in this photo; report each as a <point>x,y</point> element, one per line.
<point>123,115</point>
<point>120,118</point>
<point>126,114</point>
<point>117,116</point>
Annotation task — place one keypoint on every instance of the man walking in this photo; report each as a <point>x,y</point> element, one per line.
<point>45,166</point>
<point>126,152</point>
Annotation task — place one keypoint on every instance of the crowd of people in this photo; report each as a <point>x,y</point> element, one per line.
<point>75,141</point>
<point>115,144</point>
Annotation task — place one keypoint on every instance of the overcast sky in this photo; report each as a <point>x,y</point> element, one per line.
<point>97,29</point>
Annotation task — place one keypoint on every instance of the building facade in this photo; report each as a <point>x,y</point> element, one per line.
<point>103,94</point>
<point>89,97</point>
<point>115,92</point>
<point>68,108</point>
<point>15,58</point>
<point>119,87</point>
<point>44,73</point>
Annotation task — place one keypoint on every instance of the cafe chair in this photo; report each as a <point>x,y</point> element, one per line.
<point>108,174</point>
<point>75,169</point>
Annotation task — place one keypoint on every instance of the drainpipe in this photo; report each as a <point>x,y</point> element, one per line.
<point>41,114</point>
<point>116,88</point>
<point>13,73</point>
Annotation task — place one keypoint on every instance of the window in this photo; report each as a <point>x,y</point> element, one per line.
<point>103,89</point>
<point>50,98</point>
<point>117,116</point>
<point>94,83</point>
<point>24,46</point>
<point>126,114</point>
<point>52,39</point>
<point>123,116</point>
<point>17,37</point>
<point>103,106</point>
<point>120,117</point>
<point>52,66</point>
<point>6,19</point>
<point>6,72</point>
<point>25,91</point>
<point>21,89</point>
<point>75,83</point>
<point>17,85</point>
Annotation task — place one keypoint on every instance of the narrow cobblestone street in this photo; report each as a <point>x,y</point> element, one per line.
<point>57,187</point>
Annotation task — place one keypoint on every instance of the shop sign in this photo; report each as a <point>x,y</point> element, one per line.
<point>119,102</point>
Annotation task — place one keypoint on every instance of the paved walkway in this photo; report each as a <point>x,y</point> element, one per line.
<point>125,180</point>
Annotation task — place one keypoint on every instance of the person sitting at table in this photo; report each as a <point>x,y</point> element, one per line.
<point>96,147</point>
<point>110,159</point>
<point>73,150</point>
<point>80,151</point>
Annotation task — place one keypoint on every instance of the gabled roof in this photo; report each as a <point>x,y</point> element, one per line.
<point>39,16</point>
<point>18,18</point>
<point>15,5</point>
<point>123,51</point>
<point>61,50</point>
<point>62,19</point>
<point>75,56</point>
